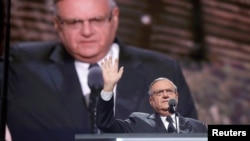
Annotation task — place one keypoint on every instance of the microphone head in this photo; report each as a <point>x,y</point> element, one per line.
<point>172,102</point>
<point>172,106</point>
<point>95,80</point>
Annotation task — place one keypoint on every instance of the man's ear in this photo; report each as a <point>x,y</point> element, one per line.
<point>56,23</point>
<point>177,97</point>
<point>116,12</point>
<point>115,17</point>
<point>150,100</point>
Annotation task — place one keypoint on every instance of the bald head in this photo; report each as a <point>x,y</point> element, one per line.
<point>111,3</point>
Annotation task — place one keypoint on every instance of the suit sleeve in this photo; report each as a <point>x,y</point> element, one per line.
<point>106,121</point>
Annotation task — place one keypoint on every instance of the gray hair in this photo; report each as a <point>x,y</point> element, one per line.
<point>112,4</point>
<point>159,79</point>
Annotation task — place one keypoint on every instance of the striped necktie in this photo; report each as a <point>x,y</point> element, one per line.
<point>171,128</point>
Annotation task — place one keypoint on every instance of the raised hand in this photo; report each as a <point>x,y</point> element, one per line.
<point>111,74</point>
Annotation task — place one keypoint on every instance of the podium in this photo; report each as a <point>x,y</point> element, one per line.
<point>142,137</point>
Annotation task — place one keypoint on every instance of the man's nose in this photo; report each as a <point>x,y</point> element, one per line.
<point>165,93</point>
<point>86,29</point>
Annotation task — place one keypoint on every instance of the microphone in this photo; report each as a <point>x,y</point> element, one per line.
<point>95,80</point>
<point>172,106</point>
<point>172,109</point>
<point>95,83</point>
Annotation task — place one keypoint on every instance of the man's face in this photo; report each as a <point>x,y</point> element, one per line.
<point>163,91</point>
<point>86,27</point>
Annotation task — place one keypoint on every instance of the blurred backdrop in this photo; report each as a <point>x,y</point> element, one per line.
<point>210,38</point>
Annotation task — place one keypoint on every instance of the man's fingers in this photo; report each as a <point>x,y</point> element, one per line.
<point>120,72</point>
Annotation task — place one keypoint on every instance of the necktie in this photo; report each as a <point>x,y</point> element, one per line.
<point>171,128</point>
<point>95,83</point>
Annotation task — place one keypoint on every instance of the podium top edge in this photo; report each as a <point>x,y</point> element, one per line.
<point>139,135</point>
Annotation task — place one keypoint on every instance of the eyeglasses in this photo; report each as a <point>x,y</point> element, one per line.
<point>78,23</point>
<point>161,92</point>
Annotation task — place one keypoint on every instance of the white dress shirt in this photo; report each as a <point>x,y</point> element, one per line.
<point>82,70</point>
<point>165,122</point>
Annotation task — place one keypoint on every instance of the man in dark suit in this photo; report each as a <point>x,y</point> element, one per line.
<point>48,94</point>
<point>161,91</point>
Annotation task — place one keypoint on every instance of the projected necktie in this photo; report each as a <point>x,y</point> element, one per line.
<point>95,83</point>
<point>171,128</point>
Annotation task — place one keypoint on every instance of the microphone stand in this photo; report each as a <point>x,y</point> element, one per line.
<point>177,123</point>
<point>95,83</point>
<point>94,98</point>
<point>172,109</point>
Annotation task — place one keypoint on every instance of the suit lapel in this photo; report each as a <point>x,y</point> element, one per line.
<point>72,94</point>
<point>64,76</point>
<point>54,70</point>
<point>184,125</point>
<point>159,126</point>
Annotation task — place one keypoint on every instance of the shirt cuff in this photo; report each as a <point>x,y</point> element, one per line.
<point>106,96</point>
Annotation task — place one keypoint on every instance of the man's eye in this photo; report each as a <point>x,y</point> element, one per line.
<point>74,22</point>
<point>160,91</point>
<point>97,21</point>
<point>169,90</point>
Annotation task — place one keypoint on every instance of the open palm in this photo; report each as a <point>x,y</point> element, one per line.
<point>111,73</point>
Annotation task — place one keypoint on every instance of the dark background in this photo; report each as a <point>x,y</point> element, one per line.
<point>210,38</point>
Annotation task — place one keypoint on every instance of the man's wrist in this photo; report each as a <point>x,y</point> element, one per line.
<point>108,88</point>
<point>106,95</point>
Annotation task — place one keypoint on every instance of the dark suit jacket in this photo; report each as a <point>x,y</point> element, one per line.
<point>45,101</point>
<point>139,122</point>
